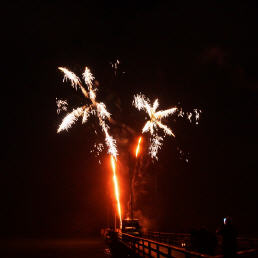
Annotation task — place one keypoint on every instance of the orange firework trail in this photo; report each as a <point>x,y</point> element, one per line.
<point>113,163</point>
<point>138,147</point>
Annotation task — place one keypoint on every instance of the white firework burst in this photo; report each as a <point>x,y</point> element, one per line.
<point>141,102</point>
<point>97,109</point>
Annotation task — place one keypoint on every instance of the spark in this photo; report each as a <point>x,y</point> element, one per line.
<point>95,108</point>
<point>141,102</point>
<point>115,66</point>
<point>61,105</point>
<point>189,116</point>
<point>138,147</point>
<point>194,116</point>
<point>113,164</point>
<point>197,115</point>
<point>156,144</point>
<point>183,155</point>
<point>70,119</point>
<point>88,76</point>
<point>88,79</point>
<point>86,114</point>
<point>181,113</point>
<point>71,76</point>
<point>101,107</point>
<point>98,148</point>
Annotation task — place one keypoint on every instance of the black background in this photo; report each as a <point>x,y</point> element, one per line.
<point>201,56</point>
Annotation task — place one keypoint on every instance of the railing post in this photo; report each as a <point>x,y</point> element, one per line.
<point>149,248</point>
<point>169,252</point>
<point>157,247</point>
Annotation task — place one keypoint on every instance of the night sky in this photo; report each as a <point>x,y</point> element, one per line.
<point>193,56</point>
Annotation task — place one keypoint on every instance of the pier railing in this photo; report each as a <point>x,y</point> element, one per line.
<point>176,239</point>
<point>152,248</point>
<point>147,247</point>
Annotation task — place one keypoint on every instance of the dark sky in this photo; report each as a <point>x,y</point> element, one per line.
<point>201,56</point>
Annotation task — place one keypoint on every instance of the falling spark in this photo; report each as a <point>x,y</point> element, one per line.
<point>197,115</point>
<point>98,148</point>
<point>183,155</point>
<point>189,116</point>
<point>138,147</point>
<point>113,164</point>
<point>181,113</point>
<point>141,102</point>
<point>115,66</point>
<point>61,105</point>
<point>97,109</point>
<point>156,144</point>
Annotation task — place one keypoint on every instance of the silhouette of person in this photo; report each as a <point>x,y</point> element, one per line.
<point>228,233</point>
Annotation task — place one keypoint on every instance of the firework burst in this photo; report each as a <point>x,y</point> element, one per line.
<point>95,108</point>
<point>141,102</point>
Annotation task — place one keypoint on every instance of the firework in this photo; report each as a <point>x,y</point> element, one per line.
<point>138,147</point>
<point>191,116</point>
<point>115,66</point>
<point>132,177</point>
<point>154,123</point>
<point>61,105</point>
<point>75,81</point>
<point>113,164</point>
<point>95,108</point>
<point>70,119</point>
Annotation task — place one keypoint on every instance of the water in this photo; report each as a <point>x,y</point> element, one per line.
<point>56,248</point>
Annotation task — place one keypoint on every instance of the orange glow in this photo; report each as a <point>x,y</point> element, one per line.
<point>116,189</point>
<point>138,147</point>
